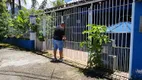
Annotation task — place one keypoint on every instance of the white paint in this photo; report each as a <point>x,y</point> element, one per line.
<point>44,26</point>
<point>33,37</point>
<point>44,46</point>
<point>139,71</point>
<point>62,19</point>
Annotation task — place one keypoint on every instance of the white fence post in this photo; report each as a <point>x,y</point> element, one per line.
<point>33,37</point>
<point>44,33</point>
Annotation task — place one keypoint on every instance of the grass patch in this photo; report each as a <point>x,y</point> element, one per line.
<point>5,45</point>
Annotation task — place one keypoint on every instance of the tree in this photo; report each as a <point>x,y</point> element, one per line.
<point>58,3</point>
<point>20,24</point>
<point>12,4</point>
<point>5,19</point>
<point>19,2</point>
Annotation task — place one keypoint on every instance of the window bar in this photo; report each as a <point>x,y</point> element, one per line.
<point>71,21</point>
<point>115,37</point>
<point>72,26</point>
<point>111,21</point>
<point>122,54</point>
<point>94,14</point>
<point>82,22</point>
<point>127,54</point>
<point>109,34</point>
<point>76,29</point>
<point>103,11</point>
<point>78,35</point>
<point>79,28</point>
<point>106,13</point>
<point>69,29</point>
<point>97,15</point>
<point>76,17</point>
<point>119,35</point>
<point>67,34</point>
<point>86,19</point>
<point>100,12</point>
<point>106,17</point>
<point>103,23</point>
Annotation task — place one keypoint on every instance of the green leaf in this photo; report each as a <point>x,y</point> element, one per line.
<point>82,44</point>
<point>85,32</point>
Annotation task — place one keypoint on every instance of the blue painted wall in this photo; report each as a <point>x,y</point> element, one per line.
<point>26,44</point>
<point>136,43</point>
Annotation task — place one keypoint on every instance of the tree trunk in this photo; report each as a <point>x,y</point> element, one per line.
<point>13,7</point>
<point>19,1</point>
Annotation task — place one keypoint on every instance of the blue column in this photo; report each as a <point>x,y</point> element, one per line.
<point>136,42</point>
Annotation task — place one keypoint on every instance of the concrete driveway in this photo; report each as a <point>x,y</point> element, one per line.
<point>23,65</point>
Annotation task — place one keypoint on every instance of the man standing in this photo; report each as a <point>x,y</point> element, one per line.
<point>59,36</point>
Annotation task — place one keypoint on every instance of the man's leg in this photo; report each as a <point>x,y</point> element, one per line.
<point>55,50</point>
<point>61,54</point>
<point>60,45</point>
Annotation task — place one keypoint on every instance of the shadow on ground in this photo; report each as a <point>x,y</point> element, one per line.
<point>97,73</point>
<point>12,47</point>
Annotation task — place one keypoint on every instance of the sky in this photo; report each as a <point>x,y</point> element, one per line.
<point>28,5</point>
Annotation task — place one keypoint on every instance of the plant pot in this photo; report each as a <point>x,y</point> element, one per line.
<point>44,46</point>
<point>41,45</point>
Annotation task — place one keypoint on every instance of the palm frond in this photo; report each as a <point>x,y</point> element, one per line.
<point>34,3</point>
<point>25,2</point>
<point>58,3</point>
<point>43,4</point>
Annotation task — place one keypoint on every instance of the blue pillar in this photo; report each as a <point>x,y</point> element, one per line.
<point>136,42</point>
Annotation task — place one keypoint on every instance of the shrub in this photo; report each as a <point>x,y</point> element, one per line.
<point>94,43</point>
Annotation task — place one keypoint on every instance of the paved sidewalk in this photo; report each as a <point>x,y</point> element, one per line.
<point>24,65</point>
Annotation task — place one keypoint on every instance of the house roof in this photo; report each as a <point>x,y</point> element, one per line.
<point>71,5</point>
<point>122,27</point>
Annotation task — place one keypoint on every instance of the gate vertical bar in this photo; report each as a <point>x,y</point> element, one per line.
<point>115,37</point>
<point>90,16</point>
